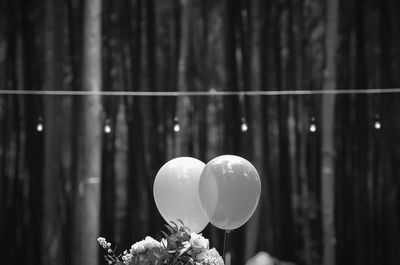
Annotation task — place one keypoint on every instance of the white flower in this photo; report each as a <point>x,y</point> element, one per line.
<point>219,261</point>
<point>127,257</point>
<point>186,244</point>
<point>203,255</point>
<point>214,253</point>
<point>198,241</point>
<point>142,246</point>
<point>150,242</point>
<point>138,247</point>
<point>102,241</point>
<point>210,257</point>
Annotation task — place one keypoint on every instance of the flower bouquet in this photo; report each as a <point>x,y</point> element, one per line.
<point>178,247</point>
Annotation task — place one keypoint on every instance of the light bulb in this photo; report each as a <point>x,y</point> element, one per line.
<point>107,127</point>
<point>39,125</point>
<point>177,127</point>
<point>313,126</point>
<point>243,126</point>
<point>377,123</point>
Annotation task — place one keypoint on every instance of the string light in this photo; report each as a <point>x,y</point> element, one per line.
<point>107,126</point>
<point>377,123</point>
<point>243,126</point>
<point>39,125</point>
<point>177,127</point>
<point>313,126</point>
<point>201,93</point>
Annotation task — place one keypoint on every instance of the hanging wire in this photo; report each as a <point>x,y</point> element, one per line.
<point>199,93</point>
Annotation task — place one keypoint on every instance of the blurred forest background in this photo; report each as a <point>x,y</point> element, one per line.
<point>329,196</point>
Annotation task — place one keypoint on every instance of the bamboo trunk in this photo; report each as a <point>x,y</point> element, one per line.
<point>327,138</point>
<point>88,143</point>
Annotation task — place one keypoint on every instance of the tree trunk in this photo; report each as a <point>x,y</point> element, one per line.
<point>256,128</point>
<point>138,197</point>
<point>327,137</point>
<point>52,223</point>
<point>88,143</point>
<point>121,162</point>
<point>182,138</point>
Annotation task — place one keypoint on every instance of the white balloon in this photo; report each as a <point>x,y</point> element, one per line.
<point>175,192</point>
<point>229,191</point>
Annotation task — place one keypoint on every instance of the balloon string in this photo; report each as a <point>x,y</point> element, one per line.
<point>223,251</point>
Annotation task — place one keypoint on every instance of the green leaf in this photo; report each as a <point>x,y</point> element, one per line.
<point>175,225</point>
<point>183,251</point>
<point>171,231</point>
<point>165,234</point>
<point>174,238</point>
